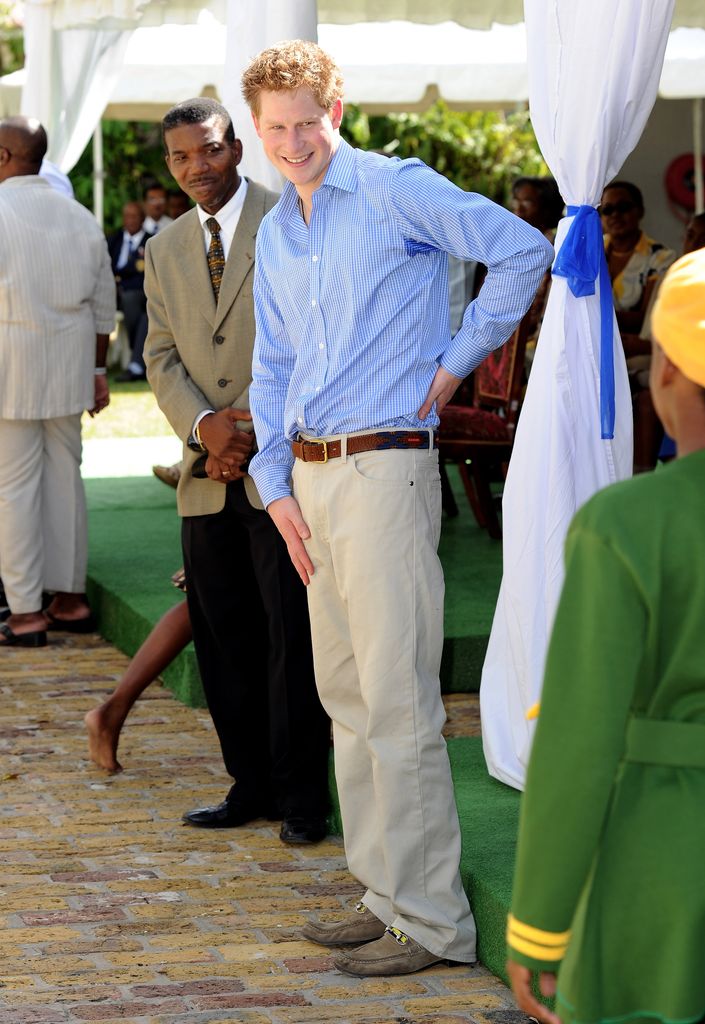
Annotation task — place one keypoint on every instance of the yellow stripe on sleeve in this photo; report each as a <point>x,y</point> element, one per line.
<point>527,931</point>
<point>537,952</point>
<point>535,942</point>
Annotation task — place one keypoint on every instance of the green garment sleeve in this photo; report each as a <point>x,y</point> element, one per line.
<point>593,662</point>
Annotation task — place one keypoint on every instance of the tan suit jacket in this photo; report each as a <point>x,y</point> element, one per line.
<point>199,355</point>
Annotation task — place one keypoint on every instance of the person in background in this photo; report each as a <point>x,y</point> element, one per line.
<point>608,889</point>
<point>126,248</point>
<point>177,203</point>
<point>246,604</point>
<point>166,640</point>
<point>155,215</point>
<point>57,308</point>
<point>650,443</point>
<point>539,203</point>
<point>353,361</point>
<point>634,260</point>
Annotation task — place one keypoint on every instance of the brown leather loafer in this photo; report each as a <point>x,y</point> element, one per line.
<point>358,927</point>
<point>395,953</point>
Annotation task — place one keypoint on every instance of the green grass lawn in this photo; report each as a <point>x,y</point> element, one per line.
<point>133,412</point>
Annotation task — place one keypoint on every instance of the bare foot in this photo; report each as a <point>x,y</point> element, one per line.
<point>103,737</point>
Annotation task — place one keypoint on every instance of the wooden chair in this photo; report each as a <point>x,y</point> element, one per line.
<point>479,437</point>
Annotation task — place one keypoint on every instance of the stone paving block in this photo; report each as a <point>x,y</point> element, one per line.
<point>359,1011</point>
<point>438,1004</point>
<point>91,1011</point>
<point>214,940</point>
<point>154,915</point>
<point>27,936</point>
<point>174,956</point>
<point>350,989</point>
<point>245,971</point>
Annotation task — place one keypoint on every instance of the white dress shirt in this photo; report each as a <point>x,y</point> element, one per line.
<point>228,217</point>
<point>130,244</point>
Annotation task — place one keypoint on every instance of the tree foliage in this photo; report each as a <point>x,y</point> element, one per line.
<point>133,157</point>
<point>11,40</point>
<point>480,150</point>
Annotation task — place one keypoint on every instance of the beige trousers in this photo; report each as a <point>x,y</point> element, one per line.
<point>376,605</point>
<point>43,530</point>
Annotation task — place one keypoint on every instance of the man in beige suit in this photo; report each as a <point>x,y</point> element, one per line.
<point>247,605</point>
<point>57,307</point>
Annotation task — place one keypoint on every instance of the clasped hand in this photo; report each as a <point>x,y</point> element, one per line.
<point>228,446</point>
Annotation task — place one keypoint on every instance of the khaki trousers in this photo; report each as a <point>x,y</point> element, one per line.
<point>376,608</point>
<point>43,530</point>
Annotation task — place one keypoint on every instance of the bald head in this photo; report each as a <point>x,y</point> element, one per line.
<point>23,145</point>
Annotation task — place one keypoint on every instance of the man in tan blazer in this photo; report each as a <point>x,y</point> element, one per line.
<point>247,605</point>
<point>57,308</point>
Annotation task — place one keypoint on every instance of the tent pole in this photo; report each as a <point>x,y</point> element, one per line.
<point>698,154</point>
<point>98,173</point>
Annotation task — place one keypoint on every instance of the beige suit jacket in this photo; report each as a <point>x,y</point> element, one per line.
<point>199,355</point>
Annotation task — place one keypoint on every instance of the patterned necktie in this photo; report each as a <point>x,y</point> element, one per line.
<point>216,256</point>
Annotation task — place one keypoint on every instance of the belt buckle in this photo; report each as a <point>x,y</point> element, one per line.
<point>317,444</point>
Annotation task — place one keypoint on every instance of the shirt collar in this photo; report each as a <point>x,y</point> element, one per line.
<point>341,173</point>
<point>226,214</point>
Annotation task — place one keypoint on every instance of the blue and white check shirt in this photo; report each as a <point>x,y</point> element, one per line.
<point>352,311</point>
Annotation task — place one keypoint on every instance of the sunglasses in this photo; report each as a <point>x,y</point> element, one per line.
<point>623,206</point>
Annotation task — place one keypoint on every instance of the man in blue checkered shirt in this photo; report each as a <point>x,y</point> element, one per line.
<point>353,361</point>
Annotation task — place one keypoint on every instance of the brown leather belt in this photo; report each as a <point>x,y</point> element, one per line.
<point>322,451</point>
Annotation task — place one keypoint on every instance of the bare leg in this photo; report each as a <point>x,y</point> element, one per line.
<point>167,639</point>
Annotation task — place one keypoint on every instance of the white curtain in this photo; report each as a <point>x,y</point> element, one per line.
<point>74,52</point>
<point>594,69</point>
<point>125,14</point>
<point>252,25</point>
<point>471,13</point>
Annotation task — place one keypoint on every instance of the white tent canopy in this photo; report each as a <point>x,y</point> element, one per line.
<point>387,66</point>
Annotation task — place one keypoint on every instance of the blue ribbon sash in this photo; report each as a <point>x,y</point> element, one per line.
<point>582,260</point>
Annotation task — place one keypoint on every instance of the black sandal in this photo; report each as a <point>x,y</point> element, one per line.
<point>37,638</point>
<point>85,625</point>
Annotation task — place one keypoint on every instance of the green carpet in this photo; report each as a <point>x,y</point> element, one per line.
<point>135,547</point>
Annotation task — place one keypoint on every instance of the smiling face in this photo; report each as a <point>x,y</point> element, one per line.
<point>298,135</point>
<point>204,163</point>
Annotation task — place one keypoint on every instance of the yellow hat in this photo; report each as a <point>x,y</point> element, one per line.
<point>678,318</point>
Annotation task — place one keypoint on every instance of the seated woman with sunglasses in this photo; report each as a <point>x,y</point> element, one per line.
<point>636,264</point>
<point>635,261</point>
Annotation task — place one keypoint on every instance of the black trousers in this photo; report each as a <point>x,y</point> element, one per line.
<point>252,637</point>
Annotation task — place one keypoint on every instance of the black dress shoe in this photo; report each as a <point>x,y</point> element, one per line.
<point>229,814</point>
<point>303,830</point>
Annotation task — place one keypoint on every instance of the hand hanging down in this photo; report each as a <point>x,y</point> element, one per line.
<point>287,518</point>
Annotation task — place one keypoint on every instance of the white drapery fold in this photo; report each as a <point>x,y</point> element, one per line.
<point>77,72</point>
<point>470,13</point>
<point>74,53</point>
<point>128,14</point>
<point>594,69</point>
<point>251,27</point>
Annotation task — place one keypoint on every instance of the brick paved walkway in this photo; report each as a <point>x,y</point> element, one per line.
<point>114,911</point>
